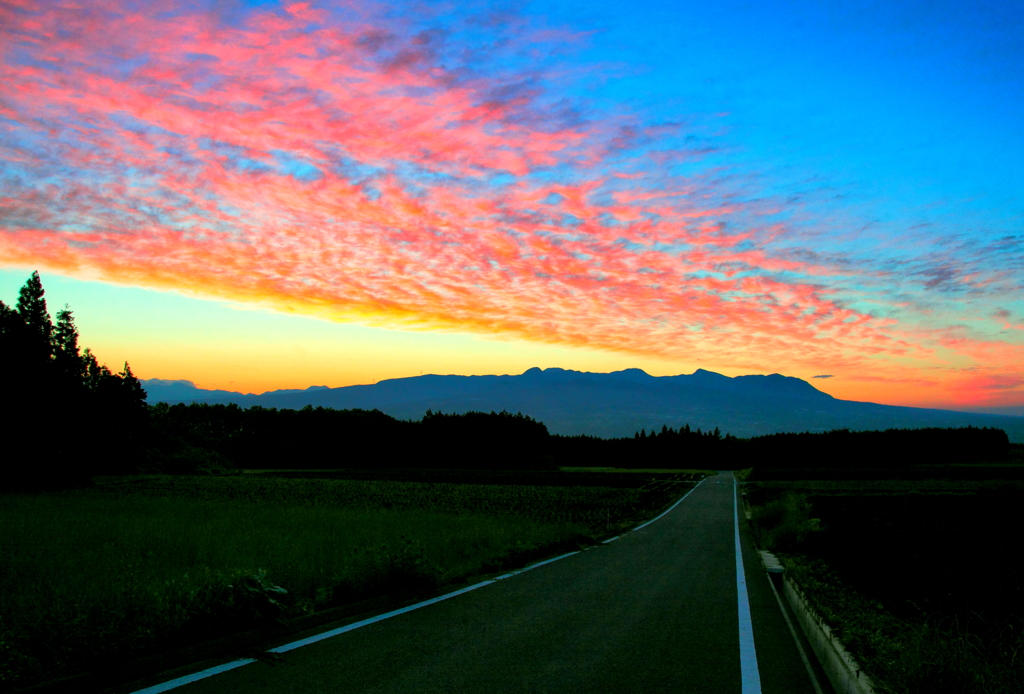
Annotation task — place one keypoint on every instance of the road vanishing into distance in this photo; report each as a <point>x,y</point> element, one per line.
<point>660,609</point>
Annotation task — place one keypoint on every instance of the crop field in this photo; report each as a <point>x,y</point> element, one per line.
<point>622,501</point>
<point>565,477</point>
<point>899,487</point>
<point>918,577</point>
<point>138,565</point>
<point>905,476</point>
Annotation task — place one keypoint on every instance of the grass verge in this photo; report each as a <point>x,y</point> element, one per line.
<point>952,654</point>
<point>912,578</point>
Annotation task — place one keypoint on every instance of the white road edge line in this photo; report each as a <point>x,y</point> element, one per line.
<point>796,639</point>
<point>210,672</point>
<point>195,677</point>
<point>371,620</point>
<point>613,539</point>
<point>669,509</point>
<point>750,677</point>
<point>533,566</point>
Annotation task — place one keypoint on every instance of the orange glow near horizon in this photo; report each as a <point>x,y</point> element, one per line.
<point>230,347</point>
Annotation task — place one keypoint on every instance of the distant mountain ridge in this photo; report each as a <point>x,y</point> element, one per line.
<point>609,404</point>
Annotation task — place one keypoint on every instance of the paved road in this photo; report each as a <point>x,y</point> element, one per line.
<point>655,611</point>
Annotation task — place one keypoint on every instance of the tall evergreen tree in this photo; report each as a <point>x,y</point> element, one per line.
<point>32,309</point>
<point>28,375</point>
<point>95,373</point>
<point>65,333</point>
<point>133,394</point>
<point>66,354</point>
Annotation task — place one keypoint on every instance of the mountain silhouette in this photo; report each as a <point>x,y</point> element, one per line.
<point>610,404</point>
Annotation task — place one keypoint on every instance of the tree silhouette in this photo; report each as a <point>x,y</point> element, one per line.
<point>54,435</point>
<point>64,342</point>
<point>32,309</point>
<point>133,394</point>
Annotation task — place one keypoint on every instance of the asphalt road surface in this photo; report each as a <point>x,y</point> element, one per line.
<point>658,610</point>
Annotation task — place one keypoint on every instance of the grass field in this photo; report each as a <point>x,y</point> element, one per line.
<point>893,487</point>
<point>141,564</point>
<point>563,477</point>
<point>621,501</point>
<point>918,577</point>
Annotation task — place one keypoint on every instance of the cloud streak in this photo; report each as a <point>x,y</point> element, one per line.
<point>362,167</point>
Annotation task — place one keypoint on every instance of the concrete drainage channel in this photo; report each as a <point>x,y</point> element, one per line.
<point>842,670</point>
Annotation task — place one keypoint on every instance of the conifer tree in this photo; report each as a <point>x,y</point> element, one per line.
<point>28,375</point>
<point>32,309</point>
<point>66,353</point>
<point>14,352</point>
<point>95,373</point>
<point>133,394</point>
<point>11,332</point>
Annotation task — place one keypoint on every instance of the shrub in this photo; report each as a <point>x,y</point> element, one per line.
<point>784,524</point>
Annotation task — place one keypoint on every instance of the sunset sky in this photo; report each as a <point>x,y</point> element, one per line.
<point>272,195</point>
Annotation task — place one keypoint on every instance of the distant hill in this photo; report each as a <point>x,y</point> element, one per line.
<point>611,404</point>
<point>161,390</point>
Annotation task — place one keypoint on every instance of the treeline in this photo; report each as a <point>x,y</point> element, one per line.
<point>215,437</point>
<point>671,448</point>
<point>67,416</point>
<point>864,449</point>
<point>187,437</point>
<point>840,448</point>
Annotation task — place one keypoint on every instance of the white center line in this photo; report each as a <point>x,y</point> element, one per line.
<point>749,675</point>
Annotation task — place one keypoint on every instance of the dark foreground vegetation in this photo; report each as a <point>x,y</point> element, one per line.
<point>917,574</point>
